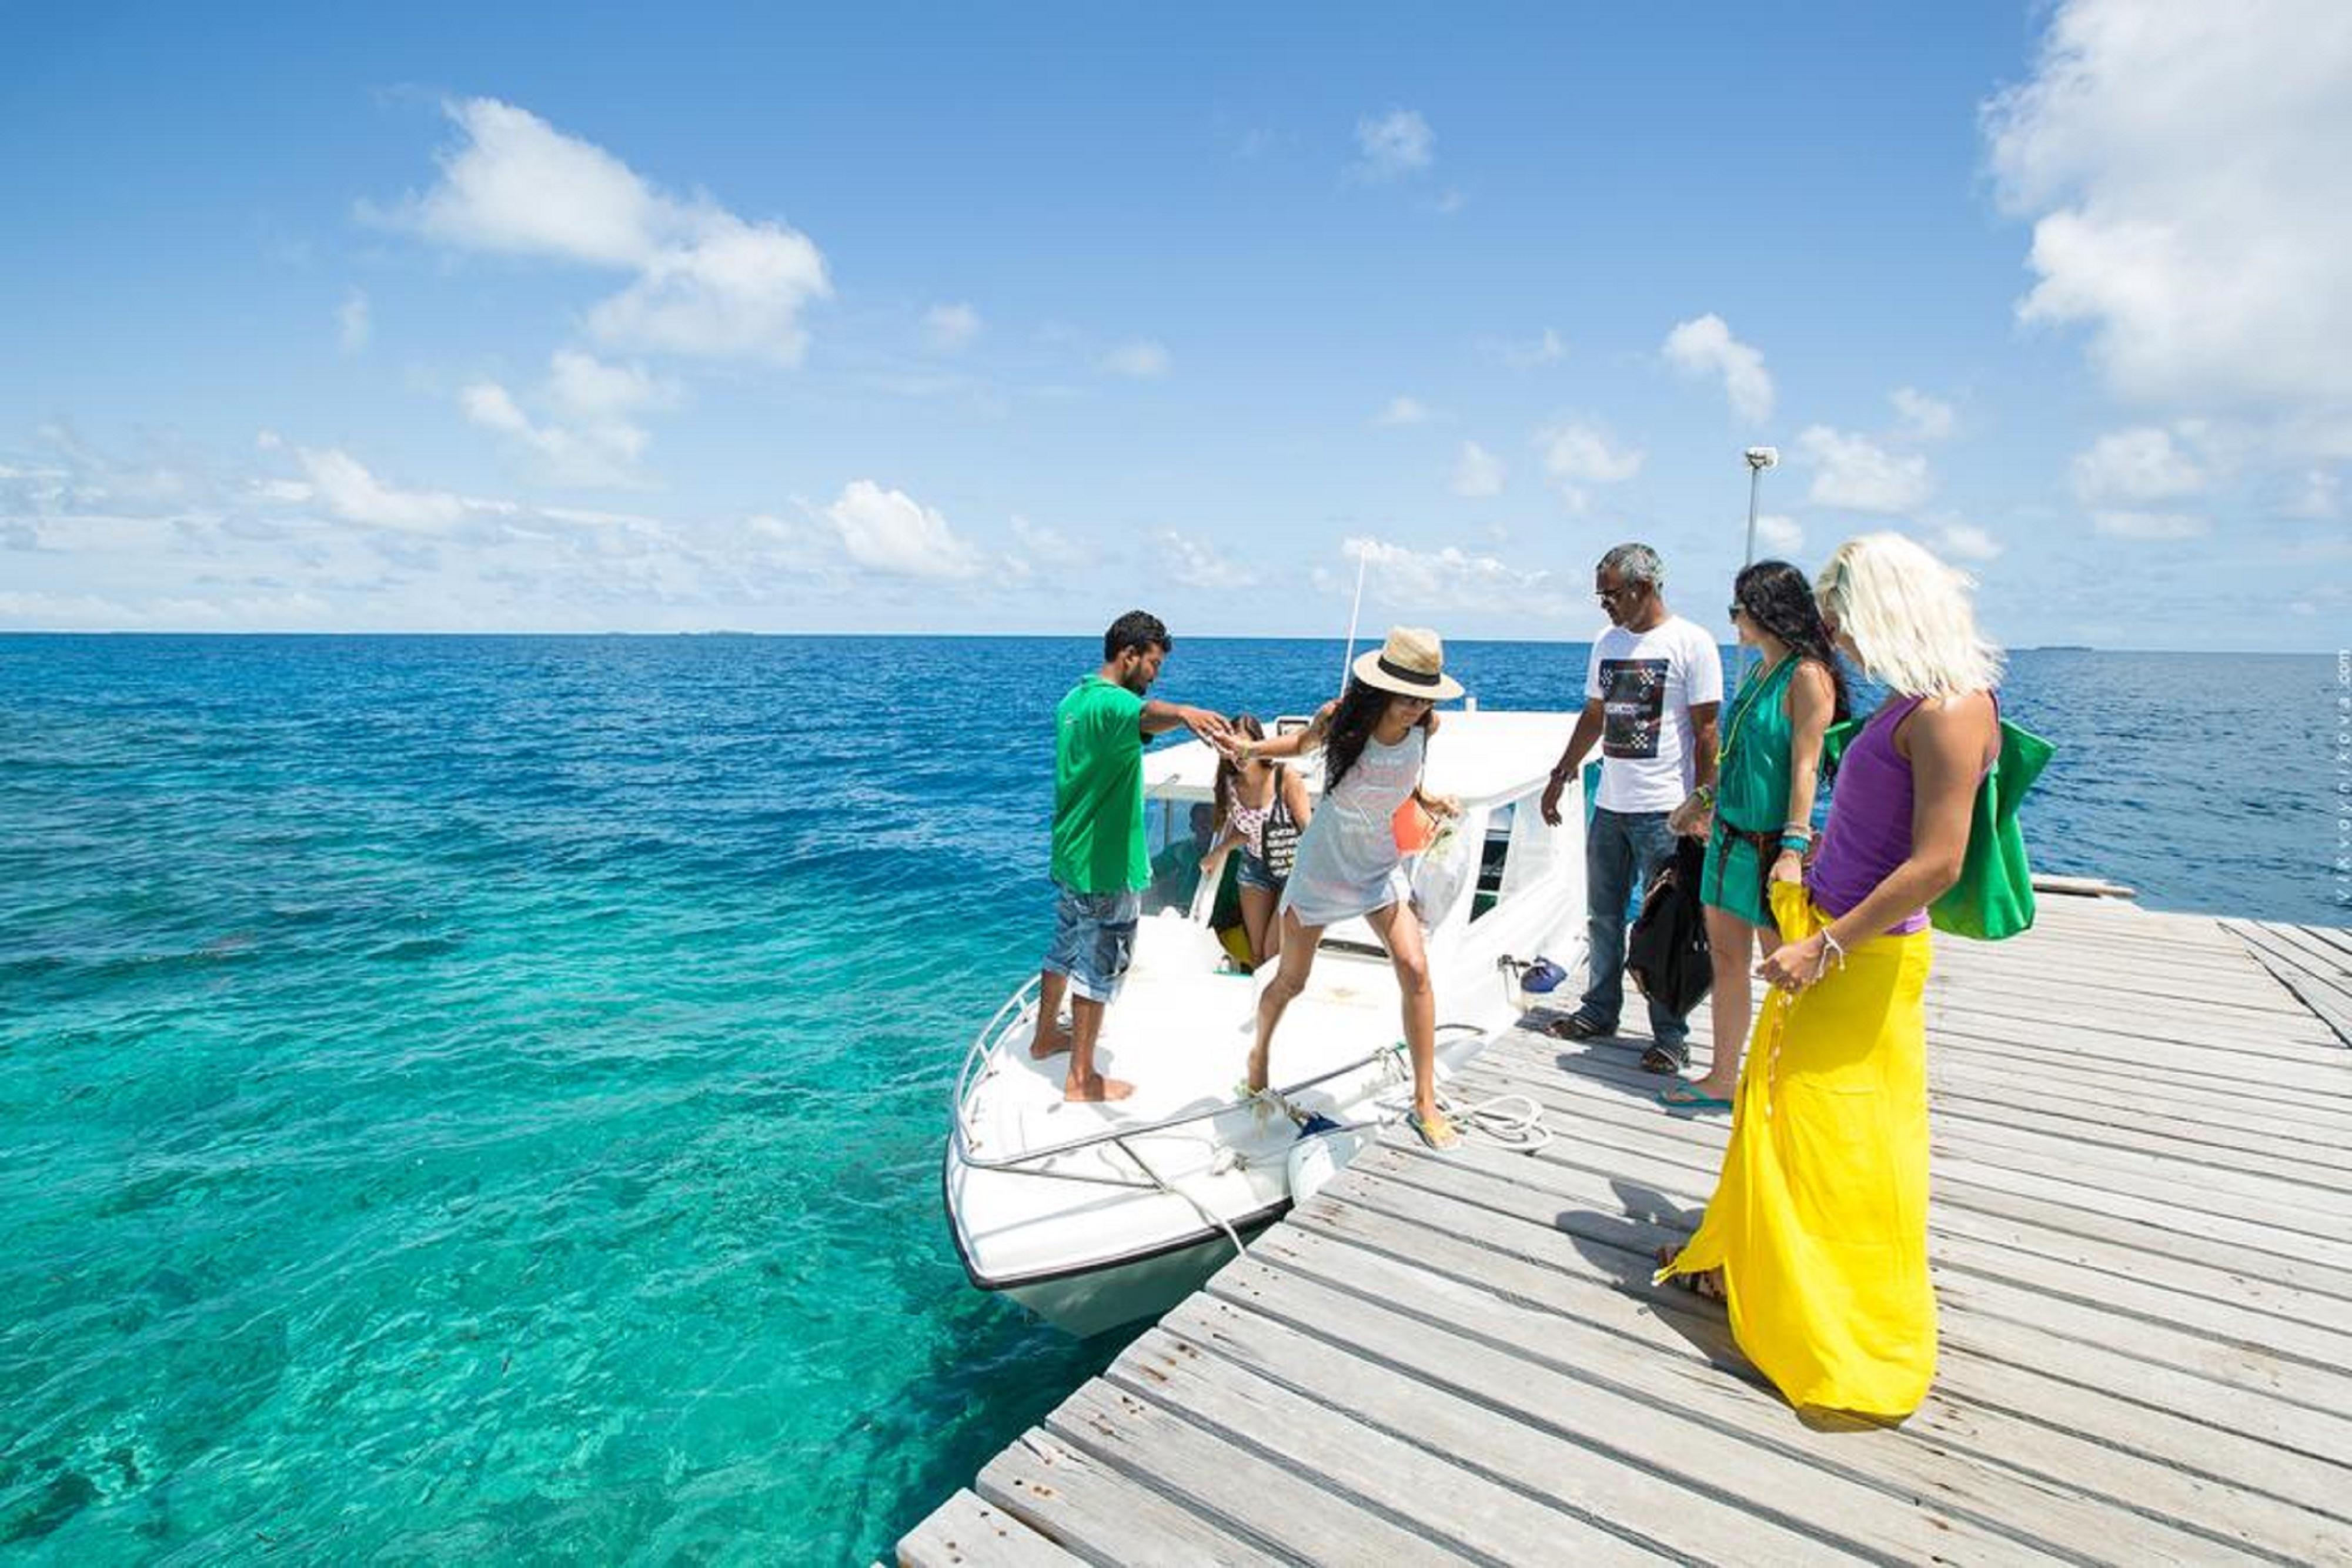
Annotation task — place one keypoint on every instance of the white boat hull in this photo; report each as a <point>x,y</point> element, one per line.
<point>1092,1215</point>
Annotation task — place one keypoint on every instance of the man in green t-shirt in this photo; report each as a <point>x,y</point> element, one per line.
<point>1100,863</point>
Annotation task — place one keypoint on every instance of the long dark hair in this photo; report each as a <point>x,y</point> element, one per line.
<point>1779,599</point>
<point>1228,772</point>
<point>1361,707</point>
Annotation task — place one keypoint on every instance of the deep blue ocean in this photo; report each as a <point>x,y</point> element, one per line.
<point>481,1097</point>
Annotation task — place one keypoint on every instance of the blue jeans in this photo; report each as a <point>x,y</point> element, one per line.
<point>1622,851</point>
<point>1094,939</point>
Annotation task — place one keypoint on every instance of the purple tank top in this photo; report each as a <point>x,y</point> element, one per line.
<point>1869,830</point>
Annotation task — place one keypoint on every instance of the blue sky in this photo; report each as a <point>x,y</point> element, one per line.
<point>602,318</point>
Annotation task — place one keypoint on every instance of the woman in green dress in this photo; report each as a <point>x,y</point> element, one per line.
<point>1759,818</point>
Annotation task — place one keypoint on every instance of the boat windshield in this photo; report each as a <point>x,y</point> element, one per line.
<point>1177,833</point>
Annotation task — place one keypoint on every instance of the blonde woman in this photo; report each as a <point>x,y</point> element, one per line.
<point>1817,1234</point>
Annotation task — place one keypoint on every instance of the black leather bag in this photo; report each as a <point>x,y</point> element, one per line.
<point>1667,952</point>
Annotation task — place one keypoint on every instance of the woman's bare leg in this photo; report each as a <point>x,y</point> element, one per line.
<point>1257,923</point>
<point>1289,979</point>
<point>1733,940</point>
<point>1399,929</point>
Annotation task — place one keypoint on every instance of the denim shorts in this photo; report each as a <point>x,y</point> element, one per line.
<point>1094,938</point>
<point>1254,873</point>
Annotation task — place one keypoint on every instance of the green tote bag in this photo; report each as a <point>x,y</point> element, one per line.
<point>1994,897</point>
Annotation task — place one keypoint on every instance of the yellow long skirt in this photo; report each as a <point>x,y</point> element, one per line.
<point>1818,1220</point>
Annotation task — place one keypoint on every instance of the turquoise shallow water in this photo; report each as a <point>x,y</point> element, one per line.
<point>472,1096</point>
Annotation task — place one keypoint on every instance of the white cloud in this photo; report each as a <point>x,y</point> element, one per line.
<point>1547,348</point>
<point>1478,472</point>
<point>1857,473</point>
<point>1703,346</point>
<point>2184,166</point>
<point>2315,497</point>
<point>1924,418</point>
<point>1779,534</point>
<point>2148,525</point>
<point>344,486</point>
<point>705,281</point>
<point>592,441</point>
<point>2136,466</point>
<point>352,323</point>
<point>1403,411</point>
<point>1451,579</point>
<point>951,326</point>
<point>888,531</point>
<point>1049,546</point>
<point>1196,563</point>
<point>1583,454</point>
<point>1144,358</point>
<point>1394,145</point>
<point>1966,541</point>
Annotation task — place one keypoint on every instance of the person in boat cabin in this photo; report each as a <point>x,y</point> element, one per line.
<point>1762,820</point>
<point>1817,1232</point>
<point>1100,861</point>
<point>1650,694</point>
<point>1374,740</point>
<point>1261,809</point>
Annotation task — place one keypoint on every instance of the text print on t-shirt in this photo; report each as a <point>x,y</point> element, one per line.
<point>1633,703</point>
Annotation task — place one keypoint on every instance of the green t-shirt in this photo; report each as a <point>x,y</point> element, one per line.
<point>1098,789</point>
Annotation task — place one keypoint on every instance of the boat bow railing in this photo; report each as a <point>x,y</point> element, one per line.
<point>1018,1005</point>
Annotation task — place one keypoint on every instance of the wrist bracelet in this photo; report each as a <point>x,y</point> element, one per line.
<point>1834,946</point>
<point>1793,846</point>
<point>1800,829</point>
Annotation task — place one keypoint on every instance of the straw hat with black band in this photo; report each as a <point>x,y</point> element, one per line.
<point>1411,663</point>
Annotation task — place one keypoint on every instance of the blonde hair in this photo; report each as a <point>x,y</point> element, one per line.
<point>1908,616</point>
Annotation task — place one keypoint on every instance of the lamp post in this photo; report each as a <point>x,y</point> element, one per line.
<point>1759,459</point>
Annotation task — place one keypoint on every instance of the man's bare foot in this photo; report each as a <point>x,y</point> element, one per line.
<point>1258,1071</point>
<point>1096,1089</point>
<point>1049,1043</point>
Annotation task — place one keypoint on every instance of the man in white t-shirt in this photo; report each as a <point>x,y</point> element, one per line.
<point>1650,698</point>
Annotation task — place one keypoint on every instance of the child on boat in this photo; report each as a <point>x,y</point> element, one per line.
<point>1261,809</point>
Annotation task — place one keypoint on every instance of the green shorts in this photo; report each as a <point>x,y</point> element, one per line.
<point>1733,881</point>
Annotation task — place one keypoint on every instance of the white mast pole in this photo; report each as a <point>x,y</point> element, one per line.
<point>1348,659</point>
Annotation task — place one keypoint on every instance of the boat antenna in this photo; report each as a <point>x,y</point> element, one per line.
<point>1348,659</point>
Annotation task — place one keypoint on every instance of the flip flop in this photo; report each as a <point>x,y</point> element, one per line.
<point>1437,1133</point>
<point>1574,1028</point>
<point>1686,1097</point>
<point>1658,1058</point>
<point>1706,1285</point>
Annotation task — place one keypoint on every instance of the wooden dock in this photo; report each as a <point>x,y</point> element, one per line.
<point>2142,1239</point>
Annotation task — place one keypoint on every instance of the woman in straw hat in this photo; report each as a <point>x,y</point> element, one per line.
<point>1817,1233</point>
<point>1374,740</point>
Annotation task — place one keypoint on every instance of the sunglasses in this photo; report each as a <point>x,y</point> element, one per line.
<point>1611,595</point>
<point>1736,611</point>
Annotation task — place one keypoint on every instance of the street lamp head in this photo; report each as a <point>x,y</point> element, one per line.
<point>1763,457</point>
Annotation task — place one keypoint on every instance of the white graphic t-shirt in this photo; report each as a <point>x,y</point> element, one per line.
<point>1646,682</point>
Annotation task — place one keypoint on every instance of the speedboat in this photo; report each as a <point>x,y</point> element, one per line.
<point>1094,1214</point>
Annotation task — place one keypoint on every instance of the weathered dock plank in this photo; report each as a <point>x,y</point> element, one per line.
<point>2141,1237</point>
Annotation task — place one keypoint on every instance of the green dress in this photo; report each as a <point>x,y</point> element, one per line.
<point>1751,797</point>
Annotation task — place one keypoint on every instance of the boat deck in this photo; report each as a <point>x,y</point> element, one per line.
<point>2142,1241</point>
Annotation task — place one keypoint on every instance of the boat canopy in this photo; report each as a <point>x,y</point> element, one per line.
<point>1485,757</point>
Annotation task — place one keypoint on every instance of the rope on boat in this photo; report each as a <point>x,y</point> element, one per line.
<point>1164,1185</point>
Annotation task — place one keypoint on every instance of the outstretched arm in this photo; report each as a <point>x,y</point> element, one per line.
<point>1296,743</point>
<point>1160,717</point>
